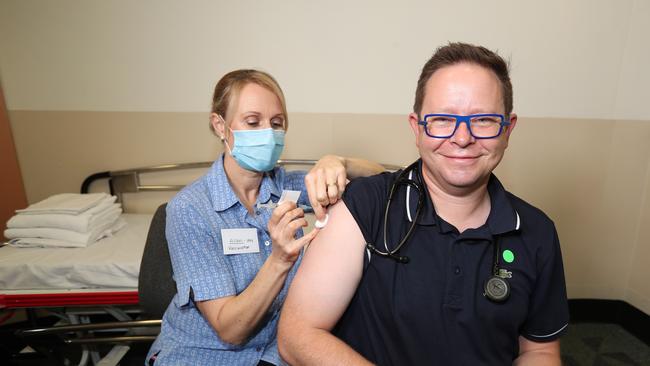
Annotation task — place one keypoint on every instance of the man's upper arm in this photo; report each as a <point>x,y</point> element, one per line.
<point>538,353</point>
<point>548,311</point>
<point>329,274</point>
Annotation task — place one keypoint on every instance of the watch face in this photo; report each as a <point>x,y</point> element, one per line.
<point>497,289</point>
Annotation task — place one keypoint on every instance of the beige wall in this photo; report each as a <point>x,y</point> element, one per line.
<point>589,176</point>
<point>639,277</point>
<point>570,59</point>
<point>97,85</point>
<point>12,192</point>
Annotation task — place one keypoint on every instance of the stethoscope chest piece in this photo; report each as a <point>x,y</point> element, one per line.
<point>497,289</point>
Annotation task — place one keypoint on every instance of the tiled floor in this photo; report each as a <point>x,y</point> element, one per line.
<point>592,344</point>
<point>585,344</point>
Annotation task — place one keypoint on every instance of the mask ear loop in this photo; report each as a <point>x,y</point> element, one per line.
<point>223,138</point>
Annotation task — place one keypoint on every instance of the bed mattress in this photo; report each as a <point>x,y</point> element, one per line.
<point>110,264</point>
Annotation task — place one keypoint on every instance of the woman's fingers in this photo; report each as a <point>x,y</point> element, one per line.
<point>332,193</point>
<point>284,230</point>
<point>290,215</point>
<point>300,243</point>
<point>326,183</point>
<point>311,184</point>
<point>279,219</point>
<point>341,181</point>
<point>279,212</point>
<point>287,246</point>
<point>321,188</point>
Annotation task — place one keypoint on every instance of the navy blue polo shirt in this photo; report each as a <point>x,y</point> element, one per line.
<point>432,310</point>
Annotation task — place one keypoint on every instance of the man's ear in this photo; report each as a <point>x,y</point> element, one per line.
<point>413,122</point>
<point>510,127</point>
<point>218,125</point>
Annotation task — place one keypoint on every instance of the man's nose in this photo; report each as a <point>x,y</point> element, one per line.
<point>462,137</point>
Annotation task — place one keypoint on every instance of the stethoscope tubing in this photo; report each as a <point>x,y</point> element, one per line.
<point>393,254</point>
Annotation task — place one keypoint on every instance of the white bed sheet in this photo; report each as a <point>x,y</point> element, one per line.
<point>109,263</point>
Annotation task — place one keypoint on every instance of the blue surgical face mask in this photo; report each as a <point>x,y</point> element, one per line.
<point>257,150</point>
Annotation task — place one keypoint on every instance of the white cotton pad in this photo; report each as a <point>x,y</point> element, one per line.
<point>319,224</point>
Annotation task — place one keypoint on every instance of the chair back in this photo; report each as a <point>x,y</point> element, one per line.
<point>156,287</point>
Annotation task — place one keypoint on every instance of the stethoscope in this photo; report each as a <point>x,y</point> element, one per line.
<point>496,288</point>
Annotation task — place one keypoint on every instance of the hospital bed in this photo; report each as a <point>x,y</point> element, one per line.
<point>79,284</point>
<point>104,273</point>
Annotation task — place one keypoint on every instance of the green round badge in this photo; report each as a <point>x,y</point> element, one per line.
<point>508,256</point>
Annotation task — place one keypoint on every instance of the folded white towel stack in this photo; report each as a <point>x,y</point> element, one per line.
<point>65,220</point>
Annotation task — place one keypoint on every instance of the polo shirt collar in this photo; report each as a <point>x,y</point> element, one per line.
<point>222,194</point>
<point>428,215</point>
<point>503,217</point>
<point>269,189</point>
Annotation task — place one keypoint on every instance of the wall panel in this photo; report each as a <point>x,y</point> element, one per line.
<point>589,176</point>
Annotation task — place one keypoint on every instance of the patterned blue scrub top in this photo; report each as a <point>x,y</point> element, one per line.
<point>195,217</point>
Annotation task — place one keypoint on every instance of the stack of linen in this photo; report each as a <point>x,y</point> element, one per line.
<point>65,220</point>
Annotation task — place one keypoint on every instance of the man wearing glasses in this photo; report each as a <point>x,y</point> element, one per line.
<point>436,264</point>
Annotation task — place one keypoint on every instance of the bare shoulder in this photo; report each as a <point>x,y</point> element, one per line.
<point>329,273</point>
<point>341,232</point>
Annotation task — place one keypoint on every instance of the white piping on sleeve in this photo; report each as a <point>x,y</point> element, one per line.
<point>550,335</point>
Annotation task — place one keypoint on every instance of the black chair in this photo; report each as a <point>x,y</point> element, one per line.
<point>156,287</point>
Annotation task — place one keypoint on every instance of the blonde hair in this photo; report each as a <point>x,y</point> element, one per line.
<point>231,84</point>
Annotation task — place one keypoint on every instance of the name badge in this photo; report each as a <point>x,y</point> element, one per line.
<point>239,241</point>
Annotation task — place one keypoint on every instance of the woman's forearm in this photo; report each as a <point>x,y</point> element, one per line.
<point>235,318</point>
<point>355,167</point>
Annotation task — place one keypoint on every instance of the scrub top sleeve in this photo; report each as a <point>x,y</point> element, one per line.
<point>366,198</point>
<point>199,265</point>
<point>548,313</point>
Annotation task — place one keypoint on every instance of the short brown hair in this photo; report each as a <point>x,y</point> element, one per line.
<point>455,53</point>
<point>231,84</point>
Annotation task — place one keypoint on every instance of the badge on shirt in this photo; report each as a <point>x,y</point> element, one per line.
<point>239,241</point>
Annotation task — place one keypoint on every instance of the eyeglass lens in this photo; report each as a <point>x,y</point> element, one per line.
<point>480,126</point>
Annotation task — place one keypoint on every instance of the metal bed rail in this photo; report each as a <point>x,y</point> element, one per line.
<point>128,181</point>
<point>87,327</point>
<point>80,331</point>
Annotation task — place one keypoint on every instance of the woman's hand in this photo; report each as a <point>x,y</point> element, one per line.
<point>236,318</point>
<point>283,225</point>
<point>325,183</point>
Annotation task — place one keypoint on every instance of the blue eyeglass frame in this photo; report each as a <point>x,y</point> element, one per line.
<point>464,119</point>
